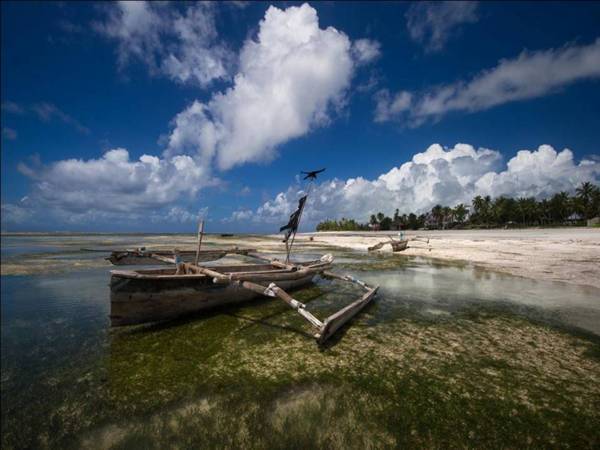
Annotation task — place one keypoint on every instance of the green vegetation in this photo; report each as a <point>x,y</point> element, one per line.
<point>485,212</point>
<point>341,225</point>
<point>243,378</point>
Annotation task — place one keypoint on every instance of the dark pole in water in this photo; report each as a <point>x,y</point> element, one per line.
<point>200,235</point>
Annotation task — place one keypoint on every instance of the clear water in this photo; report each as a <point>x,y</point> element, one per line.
<point>67,378</point>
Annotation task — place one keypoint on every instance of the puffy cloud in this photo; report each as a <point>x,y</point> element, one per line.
<point>289,78</point>
<point>432,23</point>
<point>292,75</point>
<point>435,176</point>
<point>14,214</point>
<point>365,51</point>
<point>114,185</point>
<point>531,74</point>
<point>178,214</point>
<point>183,46</point>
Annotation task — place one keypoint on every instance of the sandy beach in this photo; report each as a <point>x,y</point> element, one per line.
<point>570,255</point>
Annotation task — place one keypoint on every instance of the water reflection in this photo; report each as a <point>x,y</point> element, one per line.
<point>436,287</point>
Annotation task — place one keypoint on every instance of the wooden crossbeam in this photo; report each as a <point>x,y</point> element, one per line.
<point>326,328</point>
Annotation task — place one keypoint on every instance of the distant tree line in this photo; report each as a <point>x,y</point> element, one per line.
<point>485,212</point>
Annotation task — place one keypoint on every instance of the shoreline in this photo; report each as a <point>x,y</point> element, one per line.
<point>570,255</point>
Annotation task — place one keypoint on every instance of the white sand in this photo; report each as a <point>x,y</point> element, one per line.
<point>561,254</point>
<point>570,255</point>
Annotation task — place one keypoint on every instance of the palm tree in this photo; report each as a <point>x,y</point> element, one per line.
<point>460,212</point>
<point>560,206</point>
<point>373,220</point>
<point>522,207</point>
<point>437,214</point>
<point>446,215</point>
<point>396,220</point>
<point>544,211</point>
<point>478,208</point>
<point>487,201</point>
<point>585,192</point>
<point>413,221</point>
<point>595,204</point>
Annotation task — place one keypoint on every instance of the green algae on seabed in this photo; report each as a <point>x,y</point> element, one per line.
<point>252,377</point>
<point>218,383</point>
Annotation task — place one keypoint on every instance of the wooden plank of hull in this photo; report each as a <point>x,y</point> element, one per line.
<point>398,246</point>
<point>134,301</point>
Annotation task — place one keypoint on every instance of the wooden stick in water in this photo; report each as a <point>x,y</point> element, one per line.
<point>163,258</point>
<point>200,234</point>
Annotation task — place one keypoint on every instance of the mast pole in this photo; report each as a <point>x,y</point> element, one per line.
<point>289,248</point>
<point>200,235</point>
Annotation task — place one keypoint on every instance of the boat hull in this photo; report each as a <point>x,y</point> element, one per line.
<point>141,299</point>
<point>398,246</point>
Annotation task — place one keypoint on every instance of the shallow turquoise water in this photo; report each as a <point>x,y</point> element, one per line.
<point>60,360</point>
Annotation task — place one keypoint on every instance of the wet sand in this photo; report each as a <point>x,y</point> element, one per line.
<point>570,255</point>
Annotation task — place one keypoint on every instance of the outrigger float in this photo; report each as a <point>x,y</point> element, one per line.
<point>150,295</point>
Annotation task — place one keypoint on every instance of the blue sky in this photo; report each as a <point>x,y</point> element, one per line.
<point>230,101</point>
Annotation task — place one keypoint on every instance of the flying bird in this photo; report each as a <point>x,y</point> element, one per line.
<point>312,175</point>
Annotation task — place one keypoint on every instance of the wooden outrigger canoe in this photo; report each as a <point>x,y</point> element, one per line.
<point>140,296</point>
<point>398,245</point>
<point>147,257</point>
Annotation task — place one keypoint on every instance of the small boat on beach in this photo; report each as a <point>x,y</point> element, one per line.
<point>397,245</point>
<point>151,295</point>
<point>139,296</point>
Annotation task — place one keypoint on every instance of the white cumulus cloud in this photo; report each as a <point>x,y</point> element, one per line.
<point>366,51</point>
<point>438,175</point>
<point>292,77</point>
<point>14,214</point>
<point>289,79</point>
<point>114,184</point>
